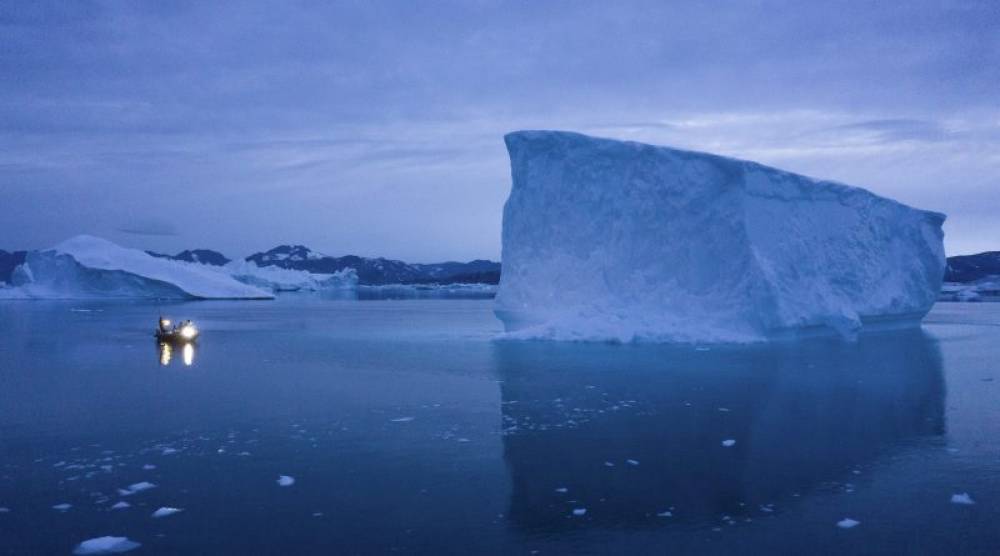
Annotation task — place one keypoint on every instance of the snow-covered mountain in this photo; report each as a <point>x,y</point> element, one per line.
<point>379,271</point>
<point>971,268</point>
<point>203,256</point>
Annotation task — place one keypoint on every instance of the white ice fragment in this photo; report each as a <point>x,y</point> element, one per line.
<point>562,490</point>
<point>121,505</point>
<point>962,498</point>
<point>4,510</point>
<point>724,409</point>
<point>608,464</point>
<point>168,451</point>
<point>105,545</point>
<point>165,511</point>
<point>149,467</point>
<point>62,507</point>
<point>401,420</point>
<point>728,442</point>
<point>665,514</point>
<point>632,462</point>
<point>285,480</point>
<point>579,511</point>
<point>136,487</point>
<point>847,523</point>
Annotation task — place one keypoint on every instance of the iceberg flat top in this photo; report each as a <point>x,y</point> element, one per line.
<point>194,279</point>
<point>606,239</point>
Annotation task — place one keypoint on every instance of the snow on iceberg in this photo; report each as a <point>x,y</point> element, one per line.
<point>611,240</point>
<point>86,266</point>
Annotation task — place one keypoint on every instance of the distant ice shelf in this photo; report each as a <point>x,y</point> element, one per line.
<point>622,241</point>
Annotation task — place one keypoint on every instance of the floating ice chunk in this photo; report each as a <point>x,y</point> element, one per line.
<point>62,507</point>
<point>317,514</point>
<point>579,511</point>
<point>562,490</point>
<point>4,510</point>
<point>148,467</point>
<point>632,462</point>
<point>106,545</point>
<point>621,241</point>
<point>168,451</point>
<point>285,480</point>
<point>729,442</point>
<point>847,523</point>
<point>667,513</point>
<point>121,505</point>
<point>608,464</point>
<point>136,487</point>
<point>166,510</point>
<point>401,420</point>
<point>962,498</point>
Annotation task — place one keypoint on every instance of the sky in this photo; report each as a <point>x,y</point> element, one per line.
<point>376,127</point>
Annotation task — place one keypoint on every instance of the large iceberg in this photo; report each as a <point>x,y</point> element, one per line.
<point>622,241</point>
<point>91,267</point>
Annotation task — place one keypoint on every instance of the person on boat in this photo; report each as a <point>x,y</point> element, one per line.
<point>164,323</point>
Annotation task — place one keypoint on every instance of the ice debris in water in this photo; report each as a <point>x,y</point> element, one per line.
<point>168,451</point>
<point>285,480</point>
<point>149,467</point>
<point>402,420</point>
<point>562,490</point>
<point>121,505</point>
<point>165,511</point>
<point>62,507</point>
<point>4,510</point>
<point>632,462</point>
<point>579,511</point>
<point>962,498</point>
<point>106,545</point>
<point>136,487</point>
<point>847,523</point>
<point>667,513</point>
<point>728,442</point>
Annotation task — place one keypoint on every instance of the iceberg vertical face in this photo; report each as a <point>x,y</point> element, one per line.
<point>611,240</point>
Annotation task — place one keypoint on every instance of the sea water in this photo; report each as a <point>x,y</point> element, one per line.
<point>317,426</point>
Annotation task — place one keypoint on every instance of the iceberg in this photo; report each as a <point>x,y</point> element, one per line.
<point>91,267</point>
<point>278,279</point>
<point>623,241</point>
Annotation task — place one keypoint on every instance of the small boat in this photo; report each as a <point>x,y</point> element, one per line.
<point>181,333</point>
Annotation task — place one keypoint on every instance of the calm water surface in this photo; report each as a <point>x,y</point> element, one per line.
<point>408,429</point>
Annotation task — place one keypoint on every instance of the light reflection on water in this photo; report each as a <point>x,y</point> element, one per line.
<point>166,352</point>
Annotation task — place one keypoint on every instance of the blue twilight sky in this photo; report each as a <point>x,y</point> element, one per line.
<point>375,127</point>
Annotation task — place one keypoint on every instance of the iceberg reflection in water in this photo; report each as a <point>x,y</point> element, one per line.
<point>635,431</point>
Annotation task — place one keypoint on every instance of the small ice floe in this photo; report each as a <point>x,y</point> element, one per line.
<point>136,487</point>
<point>724,409</point>
<point>317,514</point>
<point>962,498</point>
<point>632,461</point>
<point>121,505</point>
<point>608,464</point>
<point>62,507</point>
<point>285,480</point>
<point>4,510</point>
<point>243,454</point>
<point>148,467</point>
<point>729,443</point>
<point>107,468</point>
<point>579,511</point>
<point>165,511</point>
<point>703,348</point>
<point>667,513</point>
<point>168,451</point>
<point>562,490</point>
<point>463,440</point>
<point>847,523</point>
<point>401,420</point>
<point>106,545</point>
<point>768,508</point>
